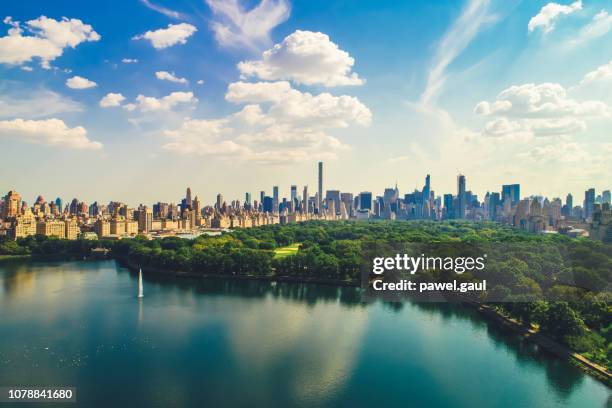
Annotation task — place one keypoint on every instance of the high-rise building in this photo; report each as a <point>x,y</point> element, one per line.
<point>427,188</point>
<point>293,192</point>
<point>461,197</point>
<point>12,203</point>
<point>305,200</point>
<point>320,186</point>
<point>188,198</point>
<point>347,200</point>
<point>449,210</point>
<point>145,219</point>
<point>247,198</point>
<point>589,202</point>
<point>511,192</point>
<point>333,196</point>
<point>365,200</point>
<point>275,198</point>
<point>606,197</point>
<point>268,204</point>
<point>60,205</point>
<point>219,203</point>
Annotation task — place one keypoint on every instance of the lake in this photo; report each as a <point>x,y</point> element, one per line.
<point>250,343</point>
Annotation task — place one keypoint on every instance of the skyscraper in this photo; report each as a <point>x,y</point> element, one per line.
<point>511,192</point>
<point>461,197</point>
<point>427,188</point>
<point>293,192</point>
<point>275,198</point>
<point>606,197</point>
<point>365,200</point>
<point>188,198</point>
<point>589,202</point>
<point>305,200</point>
<point>320,185</point>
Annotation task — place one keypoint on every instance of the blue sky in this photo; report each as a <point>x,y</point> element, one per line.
<point>137,102</point>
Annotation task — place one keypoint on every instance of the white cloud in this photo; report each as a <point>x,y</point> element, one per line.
<point>129,60</point>
<point>474,16</point>
<point>562,153</point>
<point>547,100</point>
<point>278,125</point>
<point>598,27</point>
<point>545,19</point>
<point>529,110</point>
<point>53,132</point>
<point>77,82</point>
<point>236,27</point>
<point>289,105</point>
<point>169,76</point>
<point>166,103</point>
<point>602,74</point>
<point>167,37</point>
<point>200,82</point>
<point>38,104</point>
<point>160,9</point>
<point>111,100</point>
<point>27,68</point>
<point>47,41</point>
<point>304,57</point>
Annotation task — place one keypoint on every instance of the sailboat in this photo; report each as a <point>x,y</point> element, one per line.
<point>140,288</point>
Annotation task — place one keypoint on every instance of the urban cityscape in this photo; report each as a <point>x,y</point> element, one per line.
<point>589,217</point>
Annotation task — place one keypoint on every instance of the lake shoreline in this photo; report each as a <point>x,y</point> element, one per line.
<point>563,352</point>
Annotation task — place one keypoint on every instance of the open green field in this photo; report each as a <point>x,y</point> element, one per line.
<point>286,251</point>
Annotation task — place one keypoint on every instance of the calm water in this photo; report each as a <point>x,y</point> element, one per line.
<point>258,344</point>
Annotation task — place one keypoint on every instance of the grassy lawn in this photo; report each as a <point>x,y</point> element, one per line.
<point>286,251</point>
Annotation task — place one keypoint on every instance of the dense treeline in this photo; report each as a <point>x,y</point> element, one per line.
<point>558,284</point>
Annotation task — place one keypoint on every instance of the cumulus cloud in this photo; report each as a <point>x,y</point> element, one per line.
<point>235,27</point>
<point>545,19</point>
<point>77,82</point>
<point>304,57</point>
<point>200,82</point>
<point>528,110</point>
<point>291,105</point>
<point>276,125</point>
<point>166,103</point>
<point>167,37</point>
<point>562,153</point>
<point>52,132</point>
<point>169,76</point>
<point>129,60</point>
<point>111,100</point>
<point>47,40</point>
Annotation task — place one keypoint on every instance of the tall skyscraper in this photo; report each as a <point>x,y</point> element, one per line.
<point>589,202</point>
<point>320,185</point>
<point>461,197</point>
<point>427,188</point>
<point>275,198</point>
<point>293,192</point>
<point>188,198</point>
<point>305,200</point>
<point>247,198</point>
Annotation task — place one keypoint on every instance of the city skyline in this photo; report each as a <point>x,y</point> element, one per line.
<point>132,103</point>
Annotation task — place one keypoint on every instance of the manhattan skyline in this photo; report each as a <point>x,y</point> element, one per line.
<point>104,106</point>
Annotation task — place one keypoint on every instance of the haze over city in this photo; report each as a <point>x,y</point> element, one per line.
<point>133,104</point>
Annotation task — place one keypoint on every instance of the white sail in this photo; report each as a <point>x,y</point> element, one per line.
<point>140,288</point>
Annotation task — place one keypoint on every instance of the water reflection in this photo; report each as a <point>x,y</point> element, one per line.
<point>192,341</point>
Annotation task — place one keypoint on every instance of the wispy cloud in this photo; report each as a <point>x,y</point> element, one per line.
<point>236,27</point>
<point>474,16</point>
<point>163,10</point>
